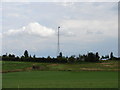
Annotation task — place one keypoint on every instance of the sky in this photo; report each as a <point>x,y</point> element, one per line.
<point>84,27</point>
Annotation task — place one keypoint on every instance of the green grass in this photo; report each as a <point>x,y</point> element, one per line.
<point>104,66</point>
<point>60,79</point>
<point>12,65</point>
<point>55,75</point>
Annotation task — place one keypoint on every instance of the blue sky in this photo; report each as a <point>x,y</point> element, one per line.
<point>85,27</point>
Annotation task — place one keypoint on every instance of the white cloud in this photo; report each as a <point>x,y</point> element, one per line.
<point>36,29</point>
<point>91,30</point>
<point>31,29</point>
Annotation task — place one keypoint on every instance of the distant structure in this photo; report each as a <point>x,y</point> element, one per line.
<point>58,44</point>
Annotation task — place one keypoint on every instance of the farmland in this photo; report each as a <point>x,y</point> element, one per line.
<point>52,75</point>
<point>60,79</point>
<point>14,66</point>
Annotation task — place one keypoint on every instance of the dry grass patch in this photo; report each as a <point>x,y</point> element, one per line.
<point>91,69</point>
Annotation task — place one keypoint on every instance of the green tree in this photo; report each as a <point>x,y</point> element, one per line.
<point>60,55</point>
<point>26,53</point>
<point>34,56</point>
<point>71,59</point>
<point>97,56</point>
<point>111,56</point>
<point>91,57</point>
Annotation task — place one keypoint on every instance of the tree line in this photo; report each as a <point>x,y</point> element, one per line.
<point>89,57</point>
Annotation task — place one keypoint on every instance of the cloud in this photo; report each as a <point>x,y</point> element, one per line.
<point>92,27</point>
<point>32,29</point>
<point>36,29</point>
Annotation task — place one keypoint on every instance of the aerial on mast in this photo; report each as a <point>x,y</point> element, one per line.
<point>58,44</point>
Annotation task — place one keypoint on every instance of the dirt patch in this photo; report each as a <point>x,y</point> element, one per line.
<point>106,63</point>
<point>28,68</point>
<point>91,69</point>
<point>53,65</point>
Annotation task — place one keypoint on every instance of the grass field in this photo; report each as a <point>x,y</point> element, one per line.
<point>25,66</point>
<point>52,75</point>
<point>60,79</point>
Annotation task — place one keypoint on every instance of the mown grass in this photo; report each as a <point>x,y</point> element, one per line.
<point>52,75</point>
<point>60,79</point>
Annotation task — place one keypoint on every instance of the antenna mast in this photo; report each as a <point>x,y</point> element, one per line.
<point>58,45</point>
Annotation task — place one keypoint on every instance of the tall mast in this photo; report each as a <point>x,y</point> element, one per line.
<point>58,48</point>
